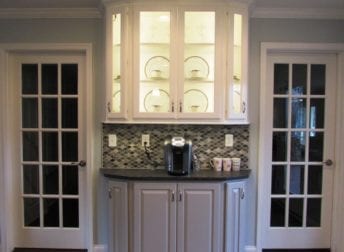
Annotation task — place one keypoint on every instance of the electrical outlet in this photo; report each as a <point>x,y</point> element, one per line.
<point>228,140</point>
<point>145,138</point>
<point>112,140</point>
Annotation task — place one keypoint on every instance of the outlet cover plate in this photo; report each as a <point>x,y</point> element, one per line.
<point>112,140</point>
<point>228,140</point>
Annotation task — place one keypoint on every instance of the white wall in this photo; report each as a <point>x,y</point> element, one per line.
<point>276,30</point>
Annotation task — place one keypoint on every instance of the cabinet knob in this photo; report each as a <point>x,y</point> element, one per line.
<point>172,196</point>
<point>242,193</point>
<point>180,196</point>
<point>243,107</point>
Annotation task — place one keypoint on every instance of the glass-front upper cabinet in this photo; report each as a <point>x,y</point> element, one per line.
<point>175,64</point>
<point>116,66</point>
<point>176,61</point>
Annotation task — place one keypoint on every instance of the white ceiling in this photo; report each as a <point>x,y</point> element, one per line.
<point>95,3</point>
<point>323,9</point>
<point>314,4</point>
<point>49,3</point>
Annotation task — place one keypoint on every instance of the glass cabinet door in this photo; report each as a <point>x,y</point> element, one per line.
<point>116,63</point>
<point>154,75</point>
<point>238,78</point>
<point>199,62</point>
<point>115,58</point>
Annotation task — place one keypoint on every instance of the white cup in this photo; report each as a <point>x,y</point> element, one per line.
<point>236,164</point>
<point>227,164</point>
<point>216,163</point>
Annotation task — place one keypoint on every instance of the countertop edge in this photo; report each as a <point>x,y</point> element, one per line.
<point>162,175</point>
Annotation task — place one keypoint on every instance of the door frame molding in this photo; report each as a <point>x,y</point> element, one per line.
<point>7,51</point>
<point>338,200</point>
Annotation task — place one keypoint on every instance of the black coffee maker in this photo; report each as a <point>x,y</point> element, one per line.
<point>178,155</point>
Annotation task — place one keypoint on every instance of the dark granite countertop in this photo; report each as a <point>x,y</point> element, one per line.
<point>161,174</point>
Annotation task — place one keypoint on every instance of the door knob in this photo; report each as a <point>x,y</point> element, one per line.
<point>328,162</point>
<point>81,163</point>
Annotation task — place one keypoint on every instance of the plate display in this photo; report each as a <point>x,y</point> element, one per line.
<point>195,101</point>
<point>156,100</point>
<point>157,68</point>
<point>196,68</point>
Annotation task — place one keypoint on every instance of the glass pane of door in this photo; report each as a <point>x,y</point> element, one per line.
<point>154,68</point>
<point>49,131</point>
<point>298,145</point>
<point>199,61</point>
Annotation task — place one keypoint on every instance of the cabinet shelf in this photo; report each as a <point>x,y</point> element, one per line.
<point>198,81</point>
<point>155,44</point>
<point>155,81</point>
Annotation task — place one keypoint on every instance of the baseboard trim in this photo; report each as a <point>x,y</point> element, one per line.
<point>100,248</point>
<point>250,249</point>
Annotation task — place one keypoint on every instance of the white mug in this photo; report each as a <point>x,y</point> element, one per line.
<point>236,164</point>
<point>216,163</point>
<point>227,164</point>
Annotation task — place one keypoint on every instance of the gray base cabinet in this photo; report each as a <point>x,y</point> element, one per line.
<point>182,217</point>
<point>175,216</point>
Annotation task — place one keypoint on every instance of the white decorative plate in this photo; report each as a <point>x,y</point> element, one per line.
<point>157,68</point>
<point>196,68</point>
<point>157,100</point>
<point>195,101</point>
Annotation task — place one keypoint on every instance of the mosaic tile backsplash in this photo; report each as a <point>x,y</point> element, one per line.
<point>207,140</point>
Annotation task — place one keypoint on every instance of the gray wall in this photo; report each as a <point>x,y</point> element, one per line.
<point>276,30</point>
<point>91,31</point>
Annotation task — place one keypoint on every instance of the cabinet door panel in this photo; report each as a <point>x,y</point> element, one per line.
<point>154,217</point>
<point>118,214</point>
<point>234,222</point>
<point>199,212</point>
<point>152,63</point>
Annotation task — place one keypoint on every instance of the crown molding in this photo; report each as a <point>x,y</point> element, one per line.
<point>299,13</point>
<point>35,13</point>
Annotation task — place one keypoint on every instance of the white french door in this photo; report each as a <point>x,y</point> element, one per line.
<point>297,148</point>
<point>50,172</point>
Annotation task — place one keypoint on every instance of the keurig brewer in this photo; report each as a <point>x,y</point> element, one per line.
<point>178,155</point>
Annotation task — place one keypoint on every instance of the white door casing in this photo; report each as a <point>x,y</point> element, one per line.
<point>287,234</point>
<point>15,234</point>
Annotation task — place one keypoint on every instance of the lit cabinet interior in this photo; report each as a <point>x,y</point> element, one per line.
<point>182,63</point>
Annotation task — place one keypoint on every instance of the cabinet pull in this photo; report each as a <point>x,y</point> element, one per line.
<point>172,197</point>
<point>180,196</point>
<point>109,107</point>
<point>242,193</point>
<point>172,107</point>
<point>180,107</point>
<point>243,107</point>
<point>110,194</point>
